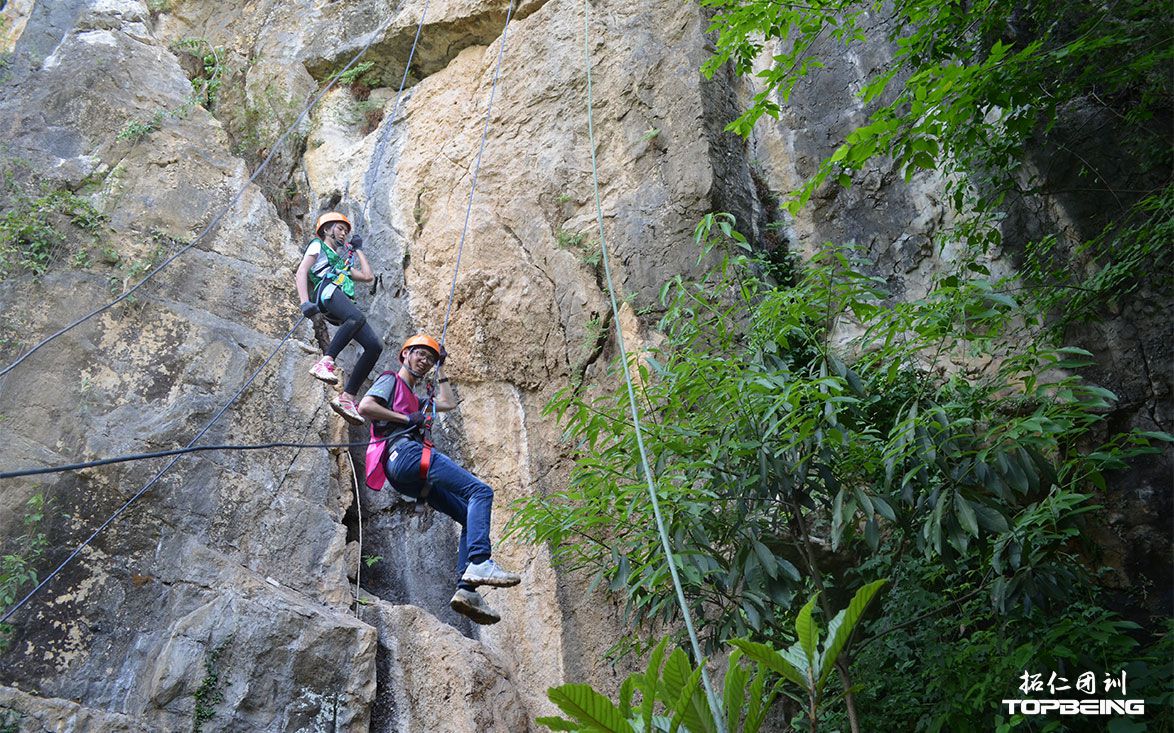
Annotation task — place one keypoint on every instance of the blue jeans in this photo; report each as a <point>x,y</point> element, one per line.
<point>455,492</point>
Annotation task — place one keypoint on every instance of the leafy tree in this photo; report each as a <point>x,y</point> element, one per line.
<point>675,692</point>
<point>785,454</point>
<point>969,83</point>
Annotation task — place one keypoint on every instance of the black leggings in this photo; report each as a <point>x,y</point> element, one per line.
<point>353,326</point>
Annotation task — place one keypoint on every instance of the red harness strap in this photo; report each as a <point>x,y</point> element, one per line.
<point>426,453</point>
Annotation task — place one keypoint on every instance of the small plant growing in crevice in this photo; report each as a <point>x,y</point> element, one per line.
<point>135,130</point>
<point>566,239</point>
<point>589,254</point>
<point>209,694</point>
<point>131,271</point>
<point>351,76</point>
<point>208,72</point>
<point>18,565</point>
<point>33,229</point>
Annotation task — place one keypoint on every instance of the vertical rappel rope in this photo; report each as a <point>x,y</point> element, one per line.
<point>664,539</point>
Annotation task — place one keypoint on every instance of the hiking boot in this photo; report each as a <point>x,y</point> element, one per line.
<point>489,573</point>
<point>470,603</point>
<point>325,370</point>
<point>346,407</point>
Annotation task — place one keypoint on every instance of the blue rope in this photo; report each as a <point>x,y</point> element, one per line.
<point>476,169</point>
<point>369,181</point>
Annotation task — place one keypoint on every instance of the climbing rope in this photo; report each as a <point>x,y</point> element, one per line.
<point>146,487</point>
<point>224,211</point>
<point>359,514</point>
<point>718,720</point>
<point>369,180</point>
<point>476,169</point>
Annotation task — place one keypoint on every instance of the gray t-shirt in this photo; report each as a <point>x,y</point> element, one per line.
<point>395,394</point>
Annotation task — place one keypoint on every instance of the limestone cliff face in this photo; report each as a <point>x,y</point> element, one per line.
<point>224,596</point>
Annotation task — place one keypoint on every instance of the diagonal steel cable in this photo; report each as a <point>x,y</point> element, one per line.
<point>224,211</point>
<point>147,486</point>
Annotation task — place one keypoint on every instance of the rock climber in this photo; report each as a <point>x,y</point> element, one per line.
<point>395,410</point>
<point>329,268</point>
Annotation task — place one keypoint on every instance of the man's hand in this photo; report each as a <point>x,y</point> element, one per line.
<point>443,355</point>
<point>417,418</point>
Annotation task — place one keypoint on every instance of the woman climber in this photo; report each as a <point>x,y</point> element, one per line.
<point>329,268</point>
<point>406,459</point>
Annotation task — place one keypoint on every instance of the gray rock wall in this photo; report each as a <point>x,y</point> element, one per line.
<point>223,597</point>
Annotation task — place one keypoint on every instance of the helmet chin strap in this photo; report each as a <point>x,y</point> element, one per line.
<point>404,361</point>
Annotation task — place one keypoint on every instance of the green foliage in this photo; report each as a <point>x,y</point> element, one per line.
<point>671,698</point>
<point>209,694</point>
<point>18,564</point>
<point>33,229</point>
<point>356,72</point>
<point>206,83</point>
<point>589,253</point>
<point>1076,284</point>
<point>772,450</point>
<point>940,657</point>
<point>371,560</point>
<point>566,239</point>
<point>968,85</point>
<point>136,130</point>
<point>806,663</point>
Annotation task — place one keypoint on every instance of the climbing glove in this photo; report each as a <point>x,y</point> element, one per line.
<point>443,355</point>
<point>416,419</point>
<point>356,242</point>
<point>309,310</point>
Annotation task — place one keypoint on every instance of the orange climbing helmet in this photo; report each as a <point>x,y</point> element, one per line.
<point>329,217</point>
<point>420,339</point>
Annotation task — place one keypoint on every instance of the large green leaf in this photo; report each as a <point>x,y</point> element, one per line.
<point>591,710</point>
<point>737,677</point>
<point>558,723</point>
<point>772,660</point>
<point>808,633</point>
<point>691,707</point>
<point>676,675</point>
<point>649,688</point>
<point>841,627</point>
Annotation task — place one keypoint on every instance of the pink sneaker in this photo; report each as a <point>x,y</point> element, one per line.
<point>325,370</point>
<point>346,407</point>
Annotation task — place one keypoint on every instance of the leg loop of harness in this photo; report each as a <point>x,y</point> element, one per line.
<point>426,459</point>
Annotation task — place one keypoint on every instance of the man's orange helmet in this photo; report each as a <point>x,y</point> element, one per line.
<point>330,217</point>
<point>420,339</point>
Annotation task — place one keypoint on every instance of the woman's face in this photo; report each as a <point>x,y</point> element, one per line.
<point>338,231</point>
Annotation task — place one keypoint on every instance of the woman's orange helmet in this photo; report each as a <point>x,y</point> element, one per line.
<point>329,218</point>
<point>420,339</point>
